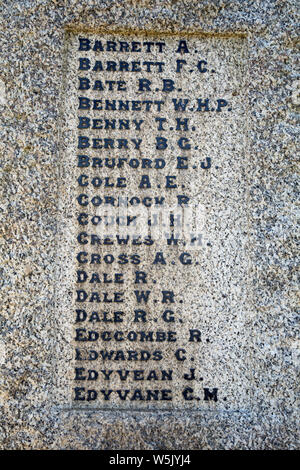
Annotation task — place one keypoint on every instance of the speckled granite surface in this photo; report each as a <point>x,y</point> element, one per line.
<point>35,264</point>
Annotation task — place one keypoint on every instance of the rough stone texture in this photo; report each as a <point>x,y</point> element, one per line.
<point>33,37</point>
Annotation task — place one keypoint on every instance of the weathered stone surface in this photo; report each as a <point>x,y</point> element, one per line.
<point>243,291</point>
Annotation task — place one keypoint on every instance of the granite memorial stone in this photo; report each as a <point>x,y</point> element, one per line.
<point>148,248</point>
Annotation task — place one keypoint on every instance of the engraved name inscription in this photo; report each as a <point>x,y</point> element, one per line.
<point>160,218</point>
